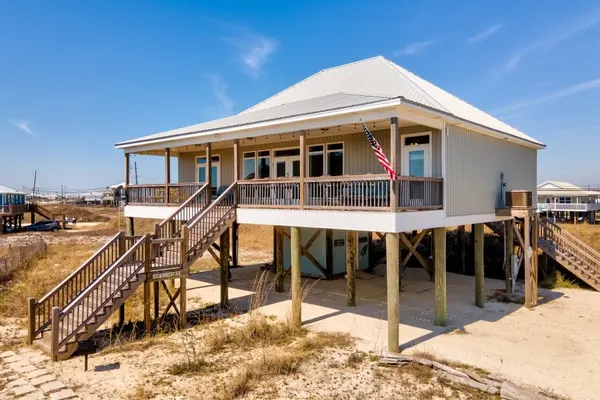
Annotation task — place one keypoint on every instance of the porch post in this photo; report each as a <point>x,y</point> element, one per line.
<point>224,259</point>
<point>479,268</point>
<point>236,160</point>
<point>534,260</point>
<point>392,249</point>
<point>394,162</point>
<point>167,174</point>
<point>125,185</point>
<point>209,172</point>
<point>302,168</point>
<point>279,259</point>
<point>439,259</point>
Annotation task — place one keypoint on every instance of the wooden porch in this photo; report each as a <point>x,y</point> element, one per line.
<point>372,192</point>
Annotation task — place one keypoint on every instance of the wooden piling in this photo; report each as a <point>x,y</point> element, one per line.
<point>478,243</point>
<point>509,246</point>
<point>527,257</point>
<point>392,247</point>
<point>351,263</point>
<point>129,226</point>
<point>224,259</point>
<point>439,259</point>
<point>460,236</point>
<point>54,333</point>
<point>279,259</point>
<point>296,277</point>
<point>30,320</point>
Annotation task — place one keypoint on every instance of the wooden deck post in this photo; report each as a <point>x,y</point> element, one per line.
<point>167,175</point>
<point>460,236</point>
<point>535,260</point>
<point>527,259</point>
<point>185,234</point>
<point>148,272</point>
<point>479,267</point>
<point>439,260</point>
<point>392,249</point>
<point>224,259</point>
<point>234,244</point>
<point>127,168</point>
<point>394,161</point>
<point>279,259</point>
<point>209,172</point>
<point>156,299</point>
<point>302,168</point>
<point>54,333</point>
<point>295,242</point>
<point>30,320</point>
<point>129,226</point>
<point>509,248</point>
<point>121,316</point>
<point>351,264</point>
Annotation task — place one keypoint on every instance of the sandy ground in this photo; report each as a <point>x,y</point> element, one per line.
<point>553,346</point>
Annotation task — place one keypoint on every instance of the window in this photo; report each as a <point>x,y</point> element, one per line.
<point>264,162</point>
<point>249,165</point>
<point>257,164</point>
<point>287,152</point>
<point>316,161</point>
<point>416,140</point>
<point>201,171</point>
<point>564,200</point>
<point>335,159</point>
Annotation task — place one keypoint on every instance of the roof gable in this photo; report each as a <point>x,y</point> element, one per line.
<point>558,185</point>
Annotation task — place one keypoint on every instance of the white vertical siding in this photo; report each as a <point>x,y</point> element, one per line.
<point>474,163</point>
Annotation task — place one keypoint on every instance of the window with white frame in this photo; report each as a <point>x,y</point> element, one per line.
<point>316,160</point>
<point>564,200</point>
<point>257,164</point>
<point>335,159</point>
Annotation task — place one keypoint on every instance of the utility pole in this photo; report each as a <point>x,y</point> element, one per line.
<point>135,169</point>
<point>34,182</point>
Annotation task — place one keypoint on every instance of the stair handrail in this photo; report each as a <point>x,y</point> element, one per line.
<point>44,210</point>
<point>69,328</point>
<point>75,283</point>
<point>556,229</point>
<point>221,207</point>
<point>185,212</point>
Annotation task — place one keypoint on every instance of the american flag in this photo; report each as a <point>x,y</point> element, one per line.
<point>385,163</point>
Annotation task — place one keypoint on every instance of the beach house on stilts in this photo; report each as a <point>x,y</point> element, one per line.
<point>300,161</point>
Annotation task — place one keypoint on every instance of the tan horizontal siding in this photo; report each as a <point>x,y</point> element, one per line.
<point>474,163</point>
<point>358,156</point>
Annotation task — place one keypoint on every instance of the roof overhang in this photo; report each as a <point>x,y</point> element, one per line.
<point>396,107</point>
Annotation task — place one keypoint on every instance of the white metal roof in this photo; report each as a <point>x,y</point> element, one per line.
<point>367,81</point>
<point>557,185</point>
<point>7,190</point>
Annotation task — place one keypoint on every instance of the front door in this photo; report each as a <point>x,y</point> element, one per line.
<point>416,162</point>
<point>287,163</point>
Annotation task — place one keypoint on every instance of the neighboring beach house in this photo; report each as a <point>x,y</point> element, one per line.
<point>568,202</point>
<point>300,161</point>
<point>12,208</point>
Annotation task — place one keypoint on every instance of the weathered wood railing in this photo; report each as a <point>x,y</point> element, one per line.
<point>566,242</point>
<point>361,192</point>
<point>217,211</point>
<point>269,192</point>
<point>415,193</point>
<point>157,194</point>
<point>171,226</point>
<point>13,209</point>
<point>348,192</point>
<point>97,295</point>
<point>40,312</point>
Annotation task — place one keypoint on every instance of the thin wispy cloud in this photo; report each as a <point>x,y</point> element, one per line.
<point>564,92</point>
<point>23,125</point>
<point>254,50</point>
<point>552,40</point>
<point>481,36</point>
<point>414,48</point>
<point>224,106</point>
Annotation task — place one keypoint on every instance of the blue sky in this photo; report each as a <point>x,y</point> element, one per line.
<point>76,77</point>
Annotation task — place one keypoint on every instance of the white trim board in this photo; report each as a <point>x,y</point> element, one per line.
<point>153,212</point>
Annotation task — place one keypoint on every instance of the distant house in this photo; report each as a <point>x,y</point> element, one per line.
<point>12,208</point>
<point>567,201</point>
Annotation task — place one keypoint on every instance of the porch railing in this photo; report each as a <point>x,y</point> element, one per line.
<point>568,206</point>
<point>173,193</point>
<point>12,209</point>
<point>361,192</point>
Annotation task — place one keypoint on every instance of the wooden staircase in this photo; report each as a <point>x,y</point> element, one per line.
<point>78,306</point>
<point>570,252</point>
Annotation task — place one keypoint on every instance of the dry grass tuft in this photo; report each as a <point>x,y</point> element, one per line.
<point>557,281</point>
<point>41,275</point>
<point>197,366</point>
<point>141,393</point>
<point>355,359</point>
<point>323,340</point>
